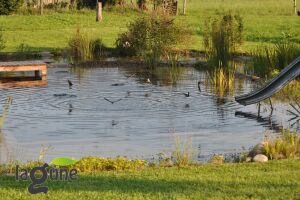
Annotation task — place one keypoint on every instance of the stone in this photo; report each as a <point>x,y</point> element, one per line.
<point>257,149</point>
<point>248,159</point>
<point>260,158</point>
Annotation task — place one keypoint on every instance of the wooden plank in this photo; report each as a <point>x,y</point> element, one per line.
<point>22,84</point>
<point>24,66</point>
<point>22,63</point>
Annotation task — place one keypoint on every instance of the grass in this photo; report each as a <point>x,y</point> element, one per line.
<point>264,22</point>
<point>273,180</point>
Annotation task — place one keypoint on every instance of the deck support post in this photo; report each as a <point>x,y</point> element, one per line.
<point>258,110</point>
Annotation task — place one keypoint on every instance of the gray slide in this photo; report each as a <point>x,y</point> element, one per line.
<point>289,73</point>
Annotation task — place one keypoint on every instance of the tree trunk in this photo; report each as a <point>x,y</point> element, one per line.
<point>99,12</point>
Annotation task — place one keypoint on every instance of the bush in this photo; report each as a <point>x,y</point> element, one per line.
<point>222,37</point>
<point>91,4</point>
<point>151,37</point>
<point>9,6</point>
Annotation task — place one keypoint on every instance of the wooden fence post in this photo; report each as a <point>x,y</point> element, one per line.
<point>184,7</point>
<point>99,12</point>
<point>295,7</point>
<point>41,7</point>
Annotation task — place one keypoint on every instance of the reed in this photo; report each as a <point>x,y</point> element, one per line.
<point>222,37</point>
<point>268,60</point>
<point>84,48</point>
<point>222,81</point>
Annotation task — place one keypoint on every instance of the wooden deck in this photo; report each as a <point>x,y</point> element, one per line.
<point>21,82</point>
<point>40,68</point>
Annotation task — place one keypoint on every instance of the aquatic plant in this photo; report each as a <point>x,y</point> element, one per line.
<point>83,48</point>
<point>263,61</point>
<point>285,52</point>
<point>286,145</point>
<point>222,81</point>
<point>268,60</point>
<point>222,37</point>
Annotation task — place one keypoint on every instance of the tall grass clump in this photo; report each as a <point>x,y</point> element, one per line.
<point>222,81</point>
<point>263,61</point>
<point>287,145</point>
<point>268,60</point>
<point>151,37</point>
<point>223,35</point>
<point>182,154</point>
<point>83,48</point>
<point>2,41</point>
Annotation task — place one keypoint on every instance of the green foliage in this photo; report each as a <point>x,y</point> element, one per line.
<point>63,161</point>
<point>263,61</point>
<point>9,6</point>
<point>96,164</point>
<point>151,37</point>
<point>222,37</point>
<point>217,159</point>
<point>83,48</point>
<point>273,180</point>
<point>25,52</point>
<point>287,145</point>
<point>2,41</point>
<point>271,58</point>
<point>290,92</point>
<point>222,81</point>
<point>182,154</point>
<point>91,4</point>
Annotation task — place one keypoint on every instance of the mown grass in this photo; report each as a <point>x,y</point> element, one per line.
<point>264,22</point>
<point>273,180</point>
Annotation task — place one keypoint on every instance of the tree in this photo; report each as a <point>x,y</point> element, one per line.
<point>9,6</point>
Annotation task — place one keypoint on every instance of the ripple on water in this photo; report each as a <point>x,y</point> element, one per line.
<point>78,121</point>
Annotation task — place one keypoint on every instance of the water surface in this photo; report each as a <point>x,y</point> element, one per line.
<point>79,122</point>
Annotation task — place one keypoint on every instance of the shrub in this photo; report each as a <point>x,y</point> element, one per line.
<point>286,145</point>
<point>222,37</point>
<point>9,6</point>
<point>91,4</point>
<point>151,37</point>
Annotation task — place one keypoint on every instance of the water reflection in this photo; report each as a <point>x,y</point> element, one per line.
<point>81,120</point>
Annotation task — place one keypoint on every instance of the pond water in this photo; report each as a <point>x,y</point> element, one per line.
<point>79,122</point>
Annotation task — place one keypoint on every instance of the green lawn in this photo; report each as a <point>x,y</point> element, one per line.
<point>265,21</point>
<point>273,180</point>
